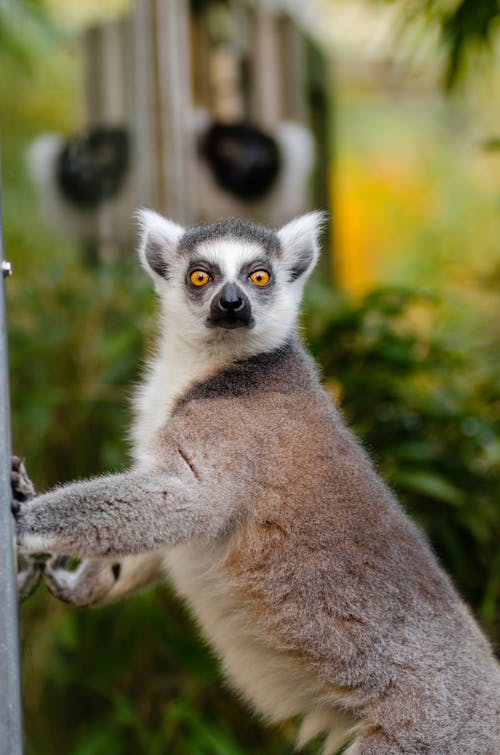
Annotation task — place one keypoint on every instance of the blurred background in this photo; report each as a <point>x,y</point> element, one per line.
<point>387,114</point>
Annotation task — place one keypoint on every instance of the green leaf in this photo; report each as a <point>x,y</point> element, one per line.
<point>429,484</point>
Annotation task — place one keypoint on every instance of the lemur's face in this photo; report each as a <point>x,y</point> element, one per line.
<point>230,280</point>
<point>230,283</point>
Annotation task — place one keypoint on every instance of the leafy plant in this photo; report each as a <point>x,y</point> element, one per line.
<point>430,418</point>
<point>24,26</point>
<point>464,26</point>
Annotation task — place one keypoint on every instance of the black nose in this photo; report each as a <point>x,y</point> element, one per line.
<point>230,308</point>
<point>230,299</point>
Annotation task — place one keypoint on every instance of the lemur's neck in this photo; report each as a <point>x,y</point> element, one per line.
<point>182,363</point>
<point>178,365</point>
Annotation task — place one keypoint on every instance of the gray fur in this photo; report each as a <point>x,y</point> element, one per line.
<point>154,510</point>
<point>231,228</point>
<point>319,595</point>
<point>156,258</point>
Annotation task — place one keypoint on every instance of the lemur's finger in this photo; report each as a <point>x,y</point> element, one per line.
<point>29,576</point>
<point>22,487</point>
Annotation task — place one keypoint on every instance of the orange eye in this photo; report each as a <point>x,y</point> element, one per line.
<point>260,277</point>
<point>199,278</point>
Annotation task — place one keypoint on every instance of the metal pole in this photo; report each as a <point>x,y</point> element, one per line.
<point>11,727</point>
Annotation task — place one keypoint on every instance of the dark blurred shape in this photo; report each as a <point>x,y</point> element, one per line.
<point>244,159</point>
<point>492,144</point>
<point>472,23</point>
<point>93,167</point>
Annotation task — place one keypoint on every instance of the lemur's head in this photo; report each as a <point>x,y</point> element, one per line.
<point>230,281</point>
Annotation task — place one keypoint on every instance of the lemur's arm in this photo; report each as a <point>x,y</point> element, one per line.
<point>94,582</point>
<point>121,523</point>
<point>126,514</point>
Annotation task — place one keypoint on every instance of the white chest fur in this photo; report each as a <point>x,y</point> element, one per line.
<point>177,365</point>
<point>170,374</point>
<point>276,685</point>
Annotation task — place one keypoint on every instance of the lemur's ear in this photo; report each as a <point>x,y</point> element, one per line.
<point>158,242</point>
<point>299,241</point>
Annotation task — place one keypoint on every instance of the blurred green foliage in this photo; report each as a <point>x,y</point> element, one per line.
<point>25,26</point>
<point>465,26</point>
<point>470,23</point>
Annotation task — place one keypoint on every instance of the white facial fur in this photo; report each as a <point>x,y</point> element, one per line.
<point>274,317</point>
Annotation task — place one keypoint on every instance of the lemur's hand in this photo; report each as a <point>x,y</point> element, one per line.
<point>85,585</point>
<point>22,488</point>
<point>29,567</point>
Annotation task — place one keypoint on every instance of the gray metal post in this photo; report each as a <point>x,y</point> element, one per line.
<point>11,728</point>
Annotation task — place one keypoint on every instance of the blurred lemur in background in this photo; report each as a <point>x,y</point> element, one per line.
<point>322,600</point>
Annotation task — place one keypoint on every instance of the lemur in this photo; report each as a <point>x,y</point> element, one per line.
<point>320,597</point>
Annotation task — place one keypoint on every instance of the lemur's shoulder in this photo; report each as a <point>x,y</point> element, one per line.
<point>288,369</point>
<point>266,418</point>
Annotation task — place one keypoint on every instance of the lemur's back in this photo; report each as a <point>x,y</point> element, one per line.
<point>324,597</point>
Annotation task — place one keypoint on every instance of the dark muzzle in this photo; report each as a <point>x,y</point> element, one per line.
<point>230,308</point>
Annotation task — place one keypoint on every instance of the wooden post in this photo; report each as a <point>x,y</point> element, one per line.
<point>142,94</point>
<point>293,64</point>
<point>266,81</point>
<point>106,74</point>
<point>106,59</point>
<point>200,50</point>
<point>164,132</point>
<point>170,43</point>
<point>11,725</point>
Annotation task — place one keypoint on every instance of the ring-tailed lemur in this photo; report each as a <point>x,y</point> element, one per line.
<point>321,598</point>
